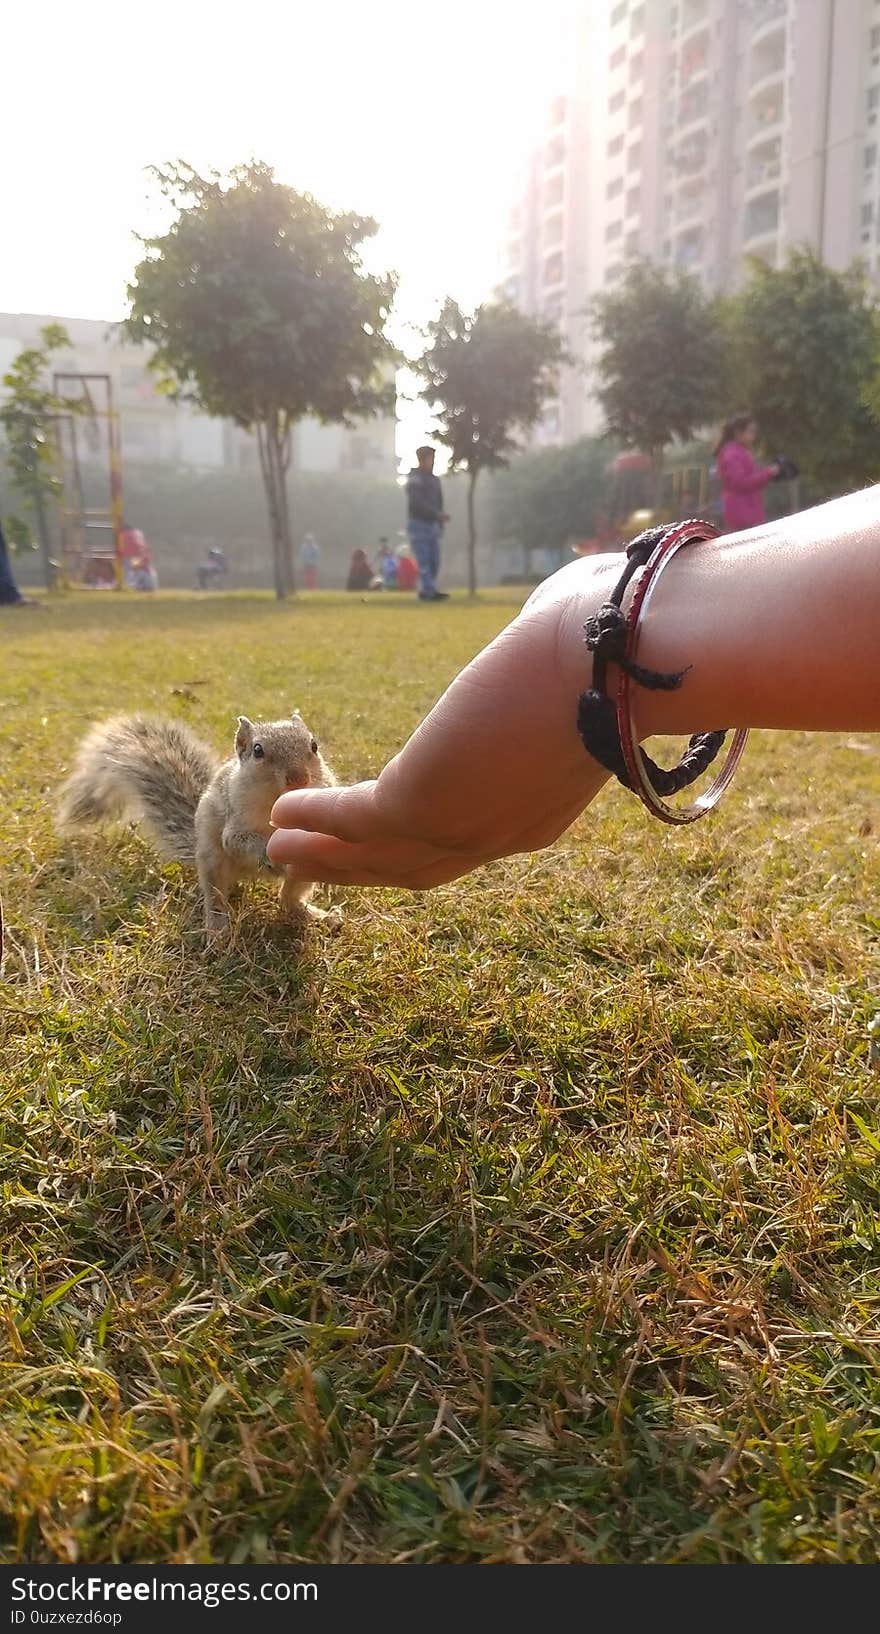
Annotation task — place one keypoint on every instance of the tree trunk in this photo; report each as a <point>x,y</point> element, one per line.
<point>472,533</point>
<point>265,448</point>
<point>286,540</point>
<point>43,531</point>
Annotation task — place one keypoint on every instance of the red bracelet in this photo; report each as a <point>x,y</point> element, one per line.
<point>645,583</point>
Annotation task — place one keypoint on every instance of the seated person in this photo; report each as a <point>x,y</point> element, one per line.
<point>407,572</point>
<point>360,573</point>
<point>213,571</point>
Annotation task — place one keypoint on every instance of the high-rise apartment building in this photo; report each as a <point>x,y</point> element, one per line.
<point>698,133</point>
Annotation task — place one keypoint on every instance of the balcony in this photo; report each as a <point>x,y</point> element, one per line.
<point>693,106</point>
<point>694,16</point>
<point>766,110</point>
<point>554,153</point>
<point>761,217</point>
<point>693,56</point>
<point>766,65</point>
<point>689,206</point>
<point>763,167</point>
<point>765,249</point>
<point>554,270</point>
<point>689,157</point>
<point>688,248</point>
<point>767,16</point>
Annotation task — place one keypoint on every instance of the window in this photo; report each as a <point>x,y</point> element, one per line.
<point>873,98</point>
<point>875,38</point>
<point>694,104</point>
<point>637,66</point>
<point>870,156</point>
<point>635,113</point>
<point>616,102</point>
<point>634,157</point>
<point>553,230</point>
<point>761,216</point>
<point>557,111</point>
<point>615,147</point>
<point>554,153</point>
<point>553,268</point>
<point>637,21</point>
<point>633,201</point>
<point>613,230</point>
<point>617,57</point>
<point>553,192</point>
<point>619,13</point>
<point>867,214</point>
<point>614,188</point>
<point>631,244</point>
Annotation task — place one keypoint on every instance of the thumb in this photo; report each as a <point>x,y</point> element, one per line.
<point>346,813</point>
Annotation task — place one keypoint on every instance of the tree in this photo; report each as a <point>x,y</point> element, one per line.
<point>27,416</point>
<point>487,378</point>
<point>805,342</point>
<point>552,497</point>
<point>661,364</point>
<point>259,309</point>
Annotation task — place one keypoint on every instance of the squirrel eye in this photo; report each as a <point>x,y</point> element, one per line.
<point>258,751</point>
<point>314,746</point>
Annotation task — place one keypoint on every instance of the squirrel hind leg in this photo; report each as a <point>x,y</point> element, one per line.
<point>216,884</point>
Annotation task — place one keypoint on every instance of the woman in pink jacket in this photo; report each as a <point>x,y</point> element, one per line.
<point>742,481</point>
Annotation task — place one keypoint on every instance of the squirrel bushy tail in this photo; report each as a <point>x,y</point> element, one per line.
<point>137,766</point>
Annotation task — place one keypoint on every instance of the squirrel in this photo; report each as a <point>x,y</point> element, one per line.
<point>196,808</point>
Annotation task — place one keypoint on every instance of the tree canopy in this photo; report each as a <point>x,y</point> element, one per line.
<point>27,416</point>
<point>488,376</point>
<point>259,308</point>
<point>804,339</point>
<point>661,358</point>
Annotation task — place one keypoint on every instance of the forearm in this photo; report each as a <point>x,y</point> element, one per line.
<point>779,626</point>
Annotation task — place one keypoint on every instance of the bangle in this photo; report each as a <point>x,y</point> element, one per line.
<point>607,727</point>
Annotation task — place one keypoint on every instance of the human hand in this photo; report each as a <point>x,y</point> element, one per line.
<point>496,768</point>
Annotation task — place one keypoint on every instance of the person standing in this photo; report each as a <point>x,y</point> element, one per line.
<point>425,519</point>
<point>742,480</point>
<point>309,557</point>
<point>387,565</point>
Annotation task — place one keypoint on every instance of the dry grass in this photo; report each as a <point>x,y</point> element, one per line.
<point>534,1219</point>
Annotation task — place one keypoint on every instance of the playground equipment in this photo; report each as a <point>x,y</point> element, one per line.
<point>634,498</point>
<point>91,534</point>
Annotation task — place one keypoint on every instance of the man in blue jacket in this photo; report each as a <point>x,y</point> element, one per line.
<point>426,517</point>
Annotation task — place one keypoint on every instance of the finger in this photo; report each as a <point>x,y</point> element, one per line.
<point>410,865</point>
<point>301,852</point>
<point>348,813</point>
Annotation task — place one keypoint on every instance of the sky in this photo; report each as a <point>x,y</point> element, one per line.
<point>418,115</point>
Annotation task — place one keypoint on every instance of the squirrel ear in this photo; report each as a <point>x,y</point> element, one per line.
<point>244,737</point>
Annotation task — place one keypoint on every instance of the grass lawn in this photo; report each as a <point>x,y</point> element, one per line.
<point>533,1219</point>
